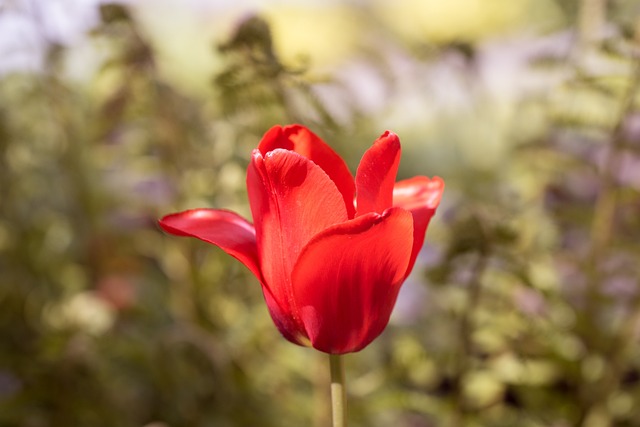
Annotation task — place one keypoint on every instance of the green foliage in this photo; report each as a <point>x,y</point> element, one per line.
<point>523,311</point>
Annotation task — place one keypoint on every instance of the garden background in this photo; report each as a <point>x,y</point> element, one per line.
<point>524,306</point>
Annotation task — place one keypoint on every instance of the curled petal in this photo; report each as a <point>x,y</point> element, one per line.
<point>347,279</point>
<point>225,229</point>
<point>304,142</point>
<point>420,196</point>
<point>288,326</point>
<point>292,199</point>
<point>376,175</point>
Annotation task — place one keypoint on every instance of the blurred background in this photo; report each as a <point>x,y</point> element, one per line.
<point>524,306</point>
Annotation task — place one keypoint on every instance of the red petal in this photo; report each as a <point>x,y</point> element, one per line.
<point>237,237</point>
<point>347,279</point>
<point>225,229</point>
<point>376,175</point>
<point>291,199</point>
<point>304,142</point>
<point>289,327</point>
<point>421,196</point>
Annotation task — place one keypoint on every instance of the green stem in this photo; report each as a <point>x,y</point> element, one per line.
<point>338,391</point>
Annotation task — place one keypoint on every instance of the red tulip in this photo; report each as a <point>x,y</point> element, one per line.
<point>330,252</point>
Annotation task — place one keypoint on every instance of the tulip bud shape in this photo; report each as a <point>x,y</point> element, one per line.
<point>331,252</point>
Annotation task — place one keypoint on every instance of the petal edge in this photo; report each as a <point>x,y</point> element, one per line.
<point>301,140</point>
<point>347,279</point>
<point>421,196</point>
<point>225,229</point>
<point>376,175</point>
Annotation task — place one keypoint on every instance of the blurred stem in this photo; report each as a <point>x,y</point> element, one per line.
<point>591,20</point>
<point>76,162</point>
<point>602,231</point>
<point>338,391</point>
<point>466,332</point>
<point>607,201</point>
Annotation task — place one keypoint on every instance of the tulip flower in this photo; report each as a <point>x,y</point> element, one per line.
<point>331,252</point>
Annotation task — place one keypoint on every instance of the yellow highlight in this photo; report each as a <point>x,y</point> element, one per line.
<point>320,34</point>
<point>451,20</point>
